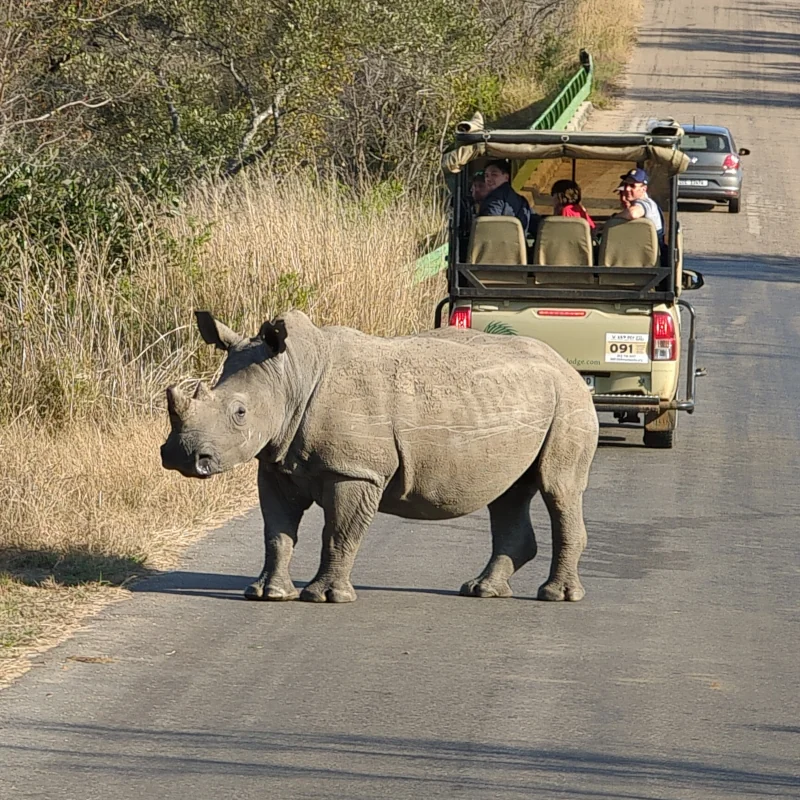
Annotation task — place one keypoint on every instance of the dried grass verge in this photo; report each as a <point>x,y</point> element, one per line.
<point>85,356</point>
<point>84,511</point>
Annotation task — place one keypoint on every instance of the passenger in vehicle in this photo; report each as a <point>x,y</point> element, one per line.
<point>567,201</point>
<point>478,188</point>
<point>635,201</point>
<point>503,201</point>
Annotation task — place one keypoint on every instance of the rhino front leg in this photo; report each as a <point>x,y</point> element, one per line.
<point>282,507</point>
<point>349,506</point>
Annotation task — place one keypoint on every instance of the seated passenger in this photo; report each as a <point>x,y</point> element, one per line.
<point>478,189</point>
<point>503,201</point>
<point>567,201</point>
<point>635,201</point>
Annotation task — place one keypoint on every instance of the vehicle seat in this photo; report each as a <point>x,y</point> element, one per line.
<point>498,240</point>
<point>628,243</point>
<point>563,242</point>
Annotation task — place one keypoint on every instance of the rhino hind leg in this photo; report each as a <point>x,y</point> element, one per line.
<point>513,541</point>
<point>349,507</point>
<point>563,476</point>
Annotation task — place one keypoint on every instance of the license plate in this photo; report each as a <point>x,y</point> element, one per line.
<point>627,348</point>
<point>589,379</point>
<point>692,183</point>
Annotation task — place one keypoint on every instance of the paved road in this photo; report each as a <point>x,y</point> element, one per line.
<point>676,678</point>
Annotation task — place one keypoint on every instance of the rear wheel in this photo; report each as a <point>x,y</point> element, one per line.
<point>659,440</point>
<point>660,429</point>
<point>734,205</point>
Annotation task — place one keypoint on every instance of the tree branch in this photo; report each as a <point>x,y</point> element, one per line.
<point>91,104</point>
<point>174,115</point>
<point>109,15</point>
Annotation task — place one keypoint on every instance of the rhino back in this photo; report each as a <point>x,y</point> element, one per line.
<point>444,423</point>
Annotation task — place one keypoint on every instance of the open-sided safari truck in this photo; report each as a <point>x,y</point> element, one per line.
<point>608,301</point>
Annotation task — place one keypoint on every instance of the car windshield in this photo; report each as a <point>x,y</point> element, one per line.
<point>704,142</point>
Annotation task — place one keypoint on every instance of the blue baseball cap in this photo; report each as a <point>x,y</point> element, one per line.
<point>634,176</point>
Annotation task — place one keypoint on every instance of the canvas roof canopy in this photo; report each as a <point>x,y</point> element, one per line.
<point>657,151</point>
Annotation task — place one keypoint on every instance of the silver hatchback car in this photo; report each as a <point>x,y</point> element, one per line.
<point>715,171</point>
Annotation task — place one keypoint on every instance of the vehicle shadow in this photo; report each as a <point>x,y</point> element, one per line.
<point>748,266</point>
<point>700,207</point>
<point>619,438</point>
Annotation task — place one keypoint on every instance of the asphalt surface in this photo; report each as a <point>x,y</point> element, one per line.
<point>676,677</point>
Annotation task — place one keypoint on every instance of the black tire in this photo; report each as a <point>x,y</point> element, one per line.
<point>734,206</point>
<point>660,440</point>
<point>664,437</point>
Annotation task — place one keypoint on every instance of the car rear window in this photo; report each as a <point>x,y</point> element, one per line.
<point>711,142</point>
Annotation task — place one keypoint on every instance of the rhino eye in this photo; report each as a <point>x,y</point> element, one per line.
<point>239,413</point>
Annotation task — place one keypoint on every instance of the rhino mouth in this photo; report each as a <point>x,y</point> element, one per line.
<point>194,465</point>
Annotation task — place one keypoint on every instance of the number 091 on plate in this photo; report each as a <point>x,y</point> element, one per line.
<point>627,348</point>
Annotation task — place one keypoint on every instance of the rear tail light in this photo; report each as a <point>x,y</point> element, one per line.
<point>731,163</point>
<point>665,344</point>
<point>461,317</point>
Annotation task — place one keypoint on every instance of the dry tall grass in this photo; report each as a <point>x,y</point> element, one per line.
<point>607,29</point>
<point>85,357</point>
<point>79,344</point>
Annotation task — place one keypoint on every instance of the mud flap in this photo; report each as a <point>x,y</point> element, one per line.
<point>661,421</point>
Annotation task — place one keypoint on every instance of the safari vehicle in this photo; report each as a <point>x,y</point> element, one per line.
<point>608,301</point>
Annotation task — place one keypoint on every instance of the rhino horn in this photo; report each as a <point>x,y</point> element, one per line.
<point>177,401</point>
<point>215,332</point>
<point>202,392</point>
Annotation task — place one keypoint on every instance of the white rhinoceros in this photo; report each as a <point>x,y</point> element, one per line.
<point>432,426</point>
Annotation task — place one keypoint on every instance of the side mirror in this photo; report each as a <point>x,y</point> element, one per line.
<point>743,151</point>
<point>692,280</point>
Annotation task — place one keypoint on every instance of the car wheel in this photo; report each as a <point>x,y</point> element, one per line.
<point>734,205</point>
<point>659,440</point>
<point>660,429</point>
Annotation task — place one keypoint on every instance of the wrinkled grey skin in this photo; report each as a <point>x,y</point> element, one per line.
<point>432,426</point>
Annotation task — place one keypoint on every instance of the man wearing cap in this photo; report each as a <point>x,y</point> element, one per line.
<point>635,201</point>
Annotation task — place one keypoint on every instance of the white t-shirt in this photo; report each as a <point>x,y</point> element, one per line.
<point>651,212</point>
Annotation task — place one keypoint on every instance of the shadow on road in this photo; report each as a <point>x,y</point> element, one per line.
<point>218,586</point>
<point>731,97</point>
<point>612,434</point>
<point>698,41</point>
<point>748,266</point>
<point>381,765</point>
<point>73,568</point>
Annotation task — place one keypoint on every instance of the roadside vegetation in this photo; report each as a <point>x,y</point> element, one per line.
<point>162,156</point>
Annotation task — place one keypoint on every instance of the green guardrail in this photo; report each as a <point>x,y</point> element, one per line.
<point>555,117</point>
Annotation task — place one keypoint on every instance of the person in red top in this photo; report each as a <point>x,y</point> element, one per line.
<point>567,201</point>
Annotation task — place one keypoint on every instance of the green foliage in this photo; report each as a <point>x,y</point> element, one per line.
<point>380,196</point>
<point>291,292</point>
<point>121,106</point>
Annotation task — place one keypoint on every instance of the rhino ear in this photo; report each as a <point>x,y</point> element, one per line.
<point>177,401</point>
<point>202,392</point>
<point>214,332</point>
<point>274,335</point>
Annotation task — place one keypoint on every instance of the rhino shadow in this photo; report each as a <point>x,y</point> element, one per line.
<point>220,586</point>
